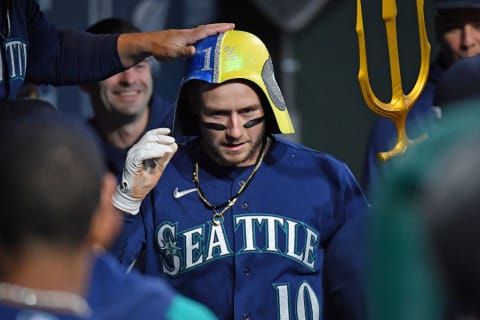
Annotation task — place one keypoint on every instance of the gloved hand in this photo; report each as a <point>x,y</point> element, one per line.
<point>144,166</point>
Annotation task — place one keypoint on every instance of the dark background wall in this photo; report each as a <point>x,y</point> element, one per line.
<point>321,87</point>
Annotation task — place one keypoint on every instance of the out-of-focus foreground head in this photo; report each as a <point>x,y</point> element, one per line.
<point>51,177</point>
<point>418,269</point>
<point>228,56</point>
<point>13,109</point>
<point>451,204</point>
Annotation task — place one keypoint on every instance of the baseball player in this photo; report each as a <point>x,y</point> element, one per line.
<point>69,57</point>
<point>242,220</point>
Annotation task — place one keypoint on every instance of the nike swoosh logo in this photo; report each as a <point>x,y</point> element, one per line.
<point>178,194</point>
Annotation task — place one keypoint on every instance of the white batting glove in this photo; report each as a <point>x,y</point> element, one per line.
<point>144,166</point>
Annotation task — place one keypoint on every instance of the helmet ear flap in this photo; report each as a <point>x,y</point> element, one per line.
<point>270,121</point>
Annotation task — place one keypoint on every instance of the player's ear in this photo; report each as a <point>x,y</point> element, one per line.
<point>106,222</point>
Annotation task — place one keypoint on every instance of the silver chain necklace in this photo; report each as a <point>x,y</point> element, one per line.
<point>61,301</point>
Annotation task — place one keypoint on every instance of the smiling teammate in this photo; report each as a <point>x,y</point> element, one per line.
<point>124,105</point>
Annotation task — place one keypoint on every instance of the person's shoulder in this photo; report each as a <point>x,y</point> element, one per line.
<point>300,148</point>
<point>110,270</point>
<point>146,297</point>
<point>143,296</point>
<point>302,154</point>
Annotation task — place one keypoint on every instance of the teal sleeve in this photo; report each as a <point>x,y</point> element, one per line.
<point>183,308</point>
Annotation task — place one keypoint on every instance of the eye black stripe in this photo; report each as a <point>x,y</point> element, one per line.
<point>221,127</point>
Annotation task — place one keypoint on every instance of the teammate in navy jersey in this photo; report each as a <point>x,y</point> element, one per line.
<point>457,25</point>
<point>34,50</point>
<point>250,224</point>
<point>31,286</point>
<point>49,198</point>
<point>48,268</point>
<point>124,105</point>
<point>116,294</point>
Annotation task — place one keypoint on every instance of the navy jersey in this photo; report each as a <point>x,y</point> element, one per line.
<point>290,247</point>
<point>115,294</point>
<point>33,49</point>
<point>383,134</point>
<point>161,116</point>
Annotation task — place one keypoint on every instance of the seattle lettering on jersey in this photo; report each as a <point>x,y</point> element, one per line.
<point>261,234</point>
<point>16,60</point>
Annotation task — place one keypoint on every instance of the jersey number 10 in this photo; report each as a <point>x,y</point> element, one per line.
<point>305,298</point>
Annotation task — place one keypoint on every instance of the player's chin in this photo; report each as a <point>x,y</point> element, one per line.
<point>236,159</point>
<point>228,158</point>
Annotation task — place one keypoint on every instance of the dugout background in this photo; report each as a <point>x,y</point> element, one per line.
<point>329,111</point>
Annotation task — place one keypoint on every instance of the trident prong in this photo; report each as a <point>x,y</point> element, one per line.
<point>399,106</point>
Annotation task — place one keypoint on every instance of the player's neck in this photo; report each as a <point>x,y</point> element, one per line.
<point>121,133</point>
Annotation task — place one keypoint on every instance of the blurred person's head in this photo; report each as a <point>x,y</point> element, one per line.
<point>13,109</point>
<point>457,25</point>
<point>451,206</point>
<point>124,96</point>
<point>55,191</point>
<point>413,249</point>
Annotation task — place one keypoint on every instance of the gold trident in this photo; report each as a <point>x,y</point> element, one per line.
<point>399,105</point>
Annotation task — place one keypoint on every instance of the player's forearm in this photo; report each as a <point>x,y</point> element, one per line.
<point>164,44</point>
<point>133,48</point>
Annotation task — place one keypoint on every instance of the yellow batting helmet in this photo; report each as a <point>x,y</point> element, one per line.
<point>227,56</point>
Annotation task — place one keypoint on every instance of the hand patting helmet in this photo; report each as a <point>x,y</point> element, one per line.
<point>227,56</point>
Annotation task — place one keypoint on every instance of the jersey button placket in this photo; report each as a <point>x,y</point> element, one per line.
<point>246,316</point>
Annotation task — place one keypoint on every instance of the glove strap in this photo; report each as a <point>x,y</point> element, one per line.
<point>125,203</point>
